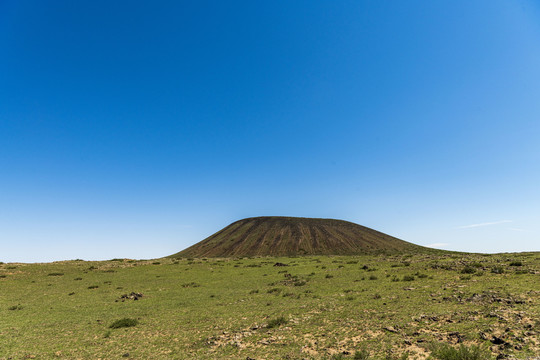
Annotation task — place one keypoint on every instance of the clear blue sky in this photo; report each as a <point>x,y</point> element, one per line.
<point>135,129</point>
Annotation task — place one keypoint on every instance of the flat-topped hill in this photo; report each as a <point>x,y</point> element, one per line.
<point>290,236</point>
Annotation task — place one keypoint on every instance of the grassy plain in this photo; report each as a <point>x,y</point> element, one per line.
<point>316,307</point>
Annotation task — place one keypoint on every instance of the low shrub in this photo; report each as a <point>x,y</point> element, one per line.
<point>55,274</point>
<point>191,284</point>
<point>277,322</point>
<point>516,263</point>
<point>361,355</point>
<point>125,322</point>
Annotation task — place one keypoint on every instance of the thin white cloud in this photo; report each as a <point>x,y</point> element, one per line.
<point>438,245</point>
<point>484,224</point>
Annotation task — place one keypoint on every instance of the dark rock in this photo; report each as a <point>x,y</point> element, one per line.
<point>498,341</point>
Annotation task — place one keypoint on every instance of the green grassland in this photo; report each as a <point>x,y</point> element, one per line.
<point>316,307</point>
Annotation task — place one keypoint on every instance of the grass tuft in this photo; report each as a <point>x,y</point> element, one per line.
<point>122,323</point>
<point>277,322</point>
<point>447,352</point>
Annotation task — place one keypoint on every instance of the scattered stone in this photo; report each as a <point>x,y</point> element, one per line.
<point>459,337</point>
<point>391,329</point>
<point>498,341</point>
<point>132,296</point>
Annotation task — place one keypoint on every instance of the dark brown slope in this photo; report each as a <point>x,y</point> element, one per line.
<point>289,236</point>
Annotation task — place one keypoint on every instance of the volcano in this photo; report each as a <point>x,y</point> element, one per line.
<point>293,236</point>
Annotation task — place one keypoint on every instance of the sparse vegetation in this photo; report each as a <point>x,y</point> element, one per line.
<point>277,322</point>
<point>447,352</point>
<point>213,310</point>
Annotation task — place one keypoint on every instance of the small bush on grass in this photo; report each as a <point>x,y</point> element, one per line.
<point>122,323</point>
<point>191,284</point>
<point>93,286</point>
<point>277,322</point>
<point>408,278</point>
<point>447,352</point>
<point>468,270</point>
<point>372,277</point>
<point>497,270</point>
<point>15,307</point>
<point>516,263</point>
<point>361,355</point>
<point>55,274</point>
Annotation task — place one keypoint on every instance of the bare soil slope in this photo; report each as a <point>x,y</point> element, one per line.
<point>290,236</point>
